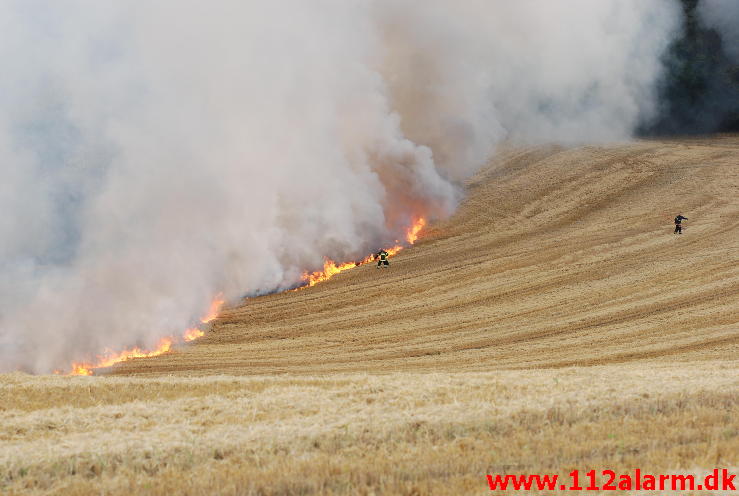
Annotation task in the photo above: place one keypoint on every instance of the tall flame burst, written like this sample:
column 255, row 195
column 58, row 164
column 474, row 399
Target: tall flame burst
column 214, row 310
column 330, row 269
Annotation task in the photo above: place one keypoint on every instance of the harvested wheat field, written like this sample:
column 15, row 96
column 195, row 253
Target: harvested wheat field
column 554, row 323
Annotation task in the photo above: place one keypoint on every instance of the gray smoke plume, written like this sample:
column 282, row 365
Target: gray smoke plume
column 154, row 154
column 698, row 92
column 723, row 15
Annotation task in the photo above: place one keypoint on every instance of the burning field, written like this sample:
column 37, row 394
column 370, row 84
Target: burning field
column 553, row 323
column 308, row 280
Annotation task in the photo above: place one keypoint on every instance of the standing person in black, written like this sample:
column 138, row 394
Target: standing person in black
column 381, row 257
column 678, row 224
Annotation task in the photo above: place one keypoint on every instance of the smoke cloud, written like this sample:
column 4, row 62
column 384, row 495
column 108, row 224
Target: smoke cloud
column 154, row 154
column 698, row 91
column 723, row 15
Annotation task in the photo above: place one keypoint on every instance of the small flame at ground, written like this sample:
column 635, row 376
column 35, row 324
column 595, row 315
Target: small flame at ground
column 165, row 344
column 330, row 269
column 110, row 359
column 193, row 334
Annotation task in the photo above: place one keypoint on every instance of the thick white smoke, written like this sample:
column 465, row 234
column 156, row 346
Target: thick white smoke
column 156, row 153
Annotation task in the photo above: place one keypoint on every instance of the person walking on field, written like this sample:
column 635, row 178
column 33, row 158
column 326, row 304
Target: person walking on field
column 381, row 257
column 678, row 224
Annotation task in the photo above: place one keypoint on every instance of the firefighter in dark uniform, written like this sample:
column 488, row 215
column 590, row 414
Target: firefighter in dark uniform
column 678, row 224
column 381, row 257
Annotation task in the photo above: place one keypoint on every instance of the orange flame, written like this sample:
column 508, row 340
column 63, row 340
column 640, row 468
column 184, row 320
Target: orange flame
column 110, row 359
column 330, row 268
column 415, row 229
column 165, row 345
column 192, row 334
column 214, row 310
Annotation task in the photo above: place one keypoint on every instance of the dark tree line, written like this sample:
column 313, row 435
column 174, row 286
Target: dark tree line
column 699, row 90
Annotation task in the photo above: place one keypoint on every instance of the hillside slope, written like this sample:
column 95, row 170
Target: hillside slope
column 557, row 257
column 554, row 323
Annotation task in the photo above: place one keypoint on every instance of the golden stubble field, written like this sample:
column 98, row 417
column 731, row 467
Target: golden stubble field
column 554, row 323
